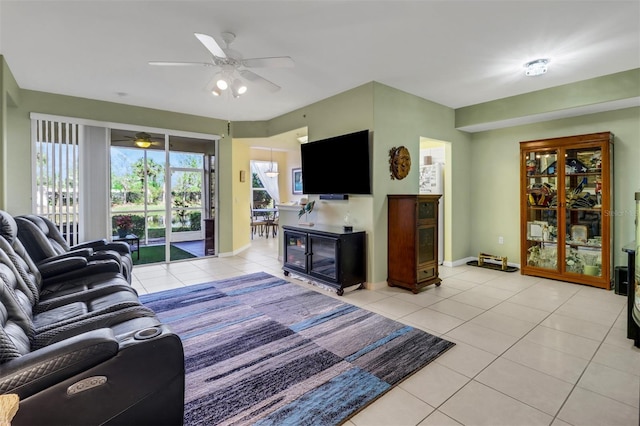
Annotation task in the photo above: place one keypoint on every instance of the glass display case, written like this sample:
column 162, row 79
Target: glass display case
column 565, row 208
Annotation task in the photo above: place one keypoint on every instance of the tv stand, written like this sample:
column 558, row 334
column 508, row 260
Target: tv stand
column 326, row 254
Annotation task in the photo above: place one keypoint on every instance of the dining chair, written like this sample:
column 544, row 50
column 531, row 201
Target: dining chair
column 258, row 224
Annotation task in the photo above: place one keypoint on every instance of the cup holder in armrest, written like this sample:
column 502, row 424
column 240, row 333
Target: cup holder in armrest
column 148, row 333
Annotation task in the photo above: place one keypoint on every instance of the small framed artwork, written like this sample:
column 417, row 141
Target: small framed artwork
column 243, row 175
column 579, row 233
column 296, row 179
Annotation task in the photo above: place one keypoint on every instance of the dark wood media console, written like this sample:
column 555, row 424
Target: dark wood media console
column 326, row 254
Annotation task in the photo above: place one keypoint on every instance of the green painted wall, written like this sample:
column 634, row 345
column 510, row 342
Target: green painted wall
column 495, row 196
column 10, row 96
column 613, row 87
column 402, row 119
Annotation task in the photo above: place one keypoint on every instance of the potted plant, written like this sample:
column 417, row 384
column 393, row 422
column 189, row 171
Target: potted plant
column 124, row 224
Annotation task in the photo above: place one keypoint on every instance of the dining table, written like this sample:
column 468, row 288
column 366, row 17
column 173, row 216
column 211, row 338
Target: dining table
column 270, row 215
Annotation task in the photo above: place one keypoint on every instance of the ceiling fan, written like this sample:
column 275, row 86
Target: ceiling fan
column 232, row 66
column 141, row 140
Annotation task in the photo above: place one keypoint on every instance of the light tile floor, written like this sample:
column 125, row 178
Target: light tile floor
column 529, row 351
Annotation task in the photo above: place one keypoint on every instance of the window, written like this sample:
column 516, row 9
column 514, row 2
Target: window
column 264, row 189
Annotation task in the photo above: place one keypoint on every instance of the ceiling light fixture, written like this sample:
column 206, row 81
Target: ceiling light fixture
column 227, row 79
column 141, row 143
column 238, row 88
column 271, row 173
column 537, row 67
column 222, row 83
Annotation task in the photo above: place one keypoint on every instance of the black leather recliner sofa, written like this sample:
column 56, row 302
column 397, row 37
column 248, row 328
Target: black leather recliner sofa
column 44, row 243
column 80, row 349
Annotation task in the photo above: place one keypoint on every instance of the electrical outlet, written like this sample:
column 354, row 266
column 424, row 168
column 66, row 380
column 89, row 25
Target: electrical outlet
column 500, row 240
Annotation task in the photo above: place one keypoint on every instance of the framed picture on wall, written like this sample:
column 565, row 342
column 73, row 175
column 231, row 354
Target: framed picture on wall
column 296, row 179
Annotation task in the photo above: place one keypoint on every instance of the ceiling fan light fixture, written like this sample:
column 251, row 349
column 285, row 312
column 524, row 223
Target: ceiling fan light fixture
column 222, row 84
column 142, row 143
column 535, row 68
column 215, row 91
column 238, row 88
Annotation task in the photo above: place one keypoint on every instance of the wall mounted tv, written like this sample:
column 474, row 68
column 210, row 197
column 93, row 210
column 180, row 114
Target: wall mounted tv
column 337, row 165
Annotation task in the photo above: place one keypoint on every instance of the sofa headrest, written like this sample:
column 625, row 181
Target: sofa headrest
column 38, row 221
column 8, row 227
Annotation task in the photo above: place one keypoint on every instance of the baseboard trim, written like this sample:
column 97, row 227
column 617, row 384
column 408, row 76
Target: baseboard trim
column 235, row 252
column 459, row 262
column 376, row 286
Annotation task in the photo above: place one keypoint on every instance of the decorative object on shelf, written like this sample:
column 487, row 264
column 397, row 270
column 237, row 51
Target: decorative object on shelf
column 579, row 234
column 572, row 165
column 305, row 210
column 296, row 181
column 592, row 264
column 543, row 257
column 541, row 194
column 124, row 224
column 399, row 162
column 348, row 227
column 532, row 166
column 574, row 261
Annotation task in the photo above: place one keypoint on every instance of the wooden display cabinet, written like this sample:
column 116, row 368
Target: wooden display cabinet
column 565, row 208
column 412, row 243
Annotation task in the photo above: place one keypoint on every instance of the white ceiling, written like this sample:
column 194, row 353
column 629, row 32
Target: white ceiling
column 453, row 52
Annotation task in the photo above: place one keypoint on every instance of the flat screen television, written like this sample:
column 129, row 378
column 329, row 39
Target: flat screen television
column 337, row 165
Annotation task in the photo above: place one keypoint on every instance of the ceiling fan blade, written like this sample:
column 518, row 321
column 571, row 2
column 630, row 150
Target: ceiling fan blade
column 274, row 62
column 211, row 44
column 255, row 78
column 181, row 64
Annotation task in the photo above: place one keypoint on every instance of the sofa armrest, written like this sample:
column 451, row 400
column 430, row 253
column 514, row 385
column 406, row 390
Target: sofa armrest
column 119, row 246
column 45, row 367
column 94, row 244
column 86, row 253
column 61, row 266
column 106, row 255
column 90, row 269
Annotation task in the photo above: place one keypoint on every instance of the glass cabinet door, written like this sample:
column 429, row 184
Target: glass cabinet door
column 323, row 257
column 295, row 249
column 426, row 244
column 542, row 208
column 426, row 210
column 583, row 211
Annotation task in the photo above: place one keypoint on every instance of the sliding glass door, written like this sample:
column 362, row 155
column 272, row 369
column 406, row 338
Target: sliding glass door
column 162, row 197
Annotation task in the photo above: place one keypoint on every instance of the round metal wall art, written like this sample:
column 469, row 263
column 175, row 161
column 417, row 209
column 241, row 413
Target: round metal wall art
column 399, row 162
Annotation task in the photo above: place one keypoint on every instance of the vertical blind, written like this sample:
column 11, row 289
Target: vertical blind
column 56, row 163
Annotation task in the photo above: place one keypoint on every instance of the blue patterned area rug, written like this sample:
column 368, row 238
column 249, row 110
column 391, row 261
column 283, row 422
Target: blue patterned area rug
column 260, row 350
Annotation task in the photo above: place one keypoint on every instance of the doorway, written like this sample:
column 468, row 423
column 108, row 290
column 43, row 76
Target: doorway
column 435, row 166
